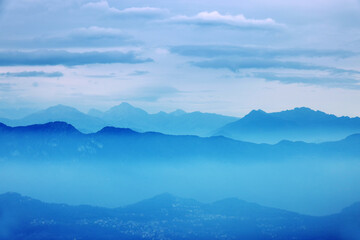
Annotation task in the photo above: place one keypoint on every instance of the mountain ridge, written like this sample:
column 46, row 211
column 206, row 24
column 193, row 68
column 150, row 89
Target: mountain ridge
column 168, row 217
column 298, row 124
column 60, row 140
column 125, row 115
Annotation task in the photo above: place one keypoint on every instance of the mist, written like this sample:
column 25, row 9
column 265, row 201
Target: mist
column 307, row 187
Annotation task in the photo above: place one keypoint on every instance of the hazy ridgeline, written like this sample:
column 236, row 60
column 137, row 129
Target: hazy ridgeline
column 114, row 167
column 299, row 124
column 55, row 162
column 179, row 120
column 307, row 187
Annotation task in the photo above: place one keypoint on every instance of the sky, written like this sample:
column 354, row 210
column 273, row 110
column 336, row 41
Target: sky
column 226, row 57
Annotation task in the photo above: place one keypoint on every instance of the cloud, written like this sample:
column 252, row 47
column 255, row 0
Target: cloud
column 212, row 51
column 93, row 36
column 328, row 81
column 110, row 75
column 216, row 19
column 325, row 76
column 52, row 57
column 138, row 73
column 32, row 74
column 142, row 12
column 100, row 5
column 235, row 64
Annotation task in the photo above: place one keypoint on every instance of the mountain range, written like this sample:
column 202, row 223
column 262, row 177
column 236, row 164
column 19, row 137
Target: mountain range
column 127, row 116
column 299, row 124
column 59, row 140
column 169, row 217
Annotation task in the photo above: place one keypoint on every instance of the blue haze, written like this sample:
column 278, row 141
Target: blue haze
column 217, row 90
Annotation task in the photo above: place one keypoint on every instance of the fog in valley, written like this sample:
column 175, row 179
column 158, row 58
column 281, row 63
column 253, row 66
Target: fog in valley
column 308, row 187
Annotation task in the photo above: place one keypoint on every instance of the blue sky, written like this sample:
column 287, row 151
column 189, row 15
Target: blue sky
column 227, row 57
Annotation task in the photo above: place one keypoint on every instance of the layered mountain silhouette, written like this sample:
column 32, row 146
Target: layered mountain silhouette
column 169, row 217
column 299, row 124
column 59, row 140
column 63, row 113
column 127, row 116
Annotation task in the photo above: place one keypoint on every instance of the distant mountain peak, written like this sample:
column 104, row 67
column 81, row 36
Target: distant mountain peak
column 298, row 124
column 178, row 112
column 258, row 112
column 61, row 107
column 123, row 105
column 57, row 126
column 300, row 110
column 116, row 131
column 58, row 111
column 255, row 114
column 303, row 109
column 165, row 196
column 303, row 114
column 124, row 109
column 165, row 200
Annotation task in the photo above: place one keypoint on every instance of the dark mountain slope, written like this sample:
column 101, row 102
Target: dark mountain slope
column 299, row 124
column 125, row 115
column 169, row 217
column 61, row 141
column 81, row 121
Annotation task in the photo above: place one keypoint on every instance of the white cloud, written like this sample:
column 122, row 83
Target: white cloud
column 143, row 10
column 95, row 31
column 216, row 18
column 100, row 5
column 99, row 35
column 103, row 5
